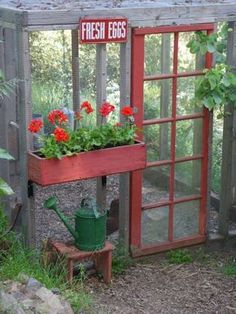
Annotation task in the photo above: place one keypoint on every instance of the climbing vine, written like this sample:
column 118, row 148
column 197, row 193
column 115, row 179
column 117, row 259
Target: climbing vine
column 216, row 88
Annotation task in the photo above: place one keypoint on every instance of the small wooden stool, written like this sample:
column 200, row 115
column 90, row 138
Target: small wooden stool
column 102, row 258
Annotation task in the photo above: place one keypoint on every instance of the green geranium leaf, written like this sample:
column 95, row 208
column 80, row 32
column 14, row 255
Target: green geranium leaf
column 226, row 81
column 5, row 155
column 5, row 189
column 211, row 47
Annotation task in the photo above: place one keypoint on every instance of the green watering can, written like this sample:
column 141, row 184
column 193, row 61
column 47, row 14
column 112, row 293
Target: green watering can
column 90, row 225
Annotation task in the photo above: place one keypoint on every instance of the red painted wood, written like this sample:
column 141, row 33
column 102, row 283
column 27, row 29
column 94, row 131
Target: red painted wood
column 87, row 164
column 172, row 29
column 205, row 149
column 138, row 79
column 176, row 201
column 146, row 250
column 171, row 75
column 137, row 101
column 102, row 258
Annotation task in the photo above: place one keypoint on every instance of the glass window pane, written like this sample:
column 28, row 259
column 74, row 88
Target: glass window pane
column 157, row 138
column 188, row 137
column 157, row 99
column 187, row 178
column 158, row 47
column 155, row 185
column 155, row 225
column 187, row 61
column 186, row 219
column 185, row 96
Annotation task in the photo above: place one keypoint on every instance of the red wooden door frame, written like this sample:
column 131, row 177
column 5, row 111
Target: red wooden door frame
column 137, row 98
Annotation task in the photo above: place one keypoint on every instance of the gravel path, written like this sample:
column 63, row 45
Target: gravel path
column 69, row 197
column 157, row 288
column 148, row 287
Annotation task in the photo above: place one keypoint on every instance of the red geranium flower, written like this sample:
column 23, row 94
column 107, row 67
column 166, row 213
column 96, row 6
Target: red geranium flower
column 35, row 125
column 106, row 108
column 57, row 116
column 127, row 111
column 87, row 106
column 61, row 135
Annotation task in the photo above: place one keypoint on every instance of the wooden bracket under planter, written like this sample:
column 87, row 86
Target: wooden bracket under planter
column 86, row 165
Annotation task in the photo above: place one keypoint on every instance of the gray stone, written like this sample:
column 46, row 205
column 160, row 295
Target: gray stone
column 28, row 304
column 51, row 300
column 31, row 298
column 9, row 305
column 33, row 283
column 56, row 291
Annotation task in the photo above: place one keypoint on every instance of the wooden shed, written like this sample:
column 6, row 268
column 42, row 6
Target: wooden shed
column 176, row 214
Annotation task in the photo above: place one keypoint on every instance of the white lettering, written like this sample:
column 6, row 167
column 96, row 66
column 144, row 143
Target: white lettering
column 88, row 26
column 123, row 29
column 83, row 30
column 116, row 30
column 110, row 30
column 102, row 30
column 93, row 30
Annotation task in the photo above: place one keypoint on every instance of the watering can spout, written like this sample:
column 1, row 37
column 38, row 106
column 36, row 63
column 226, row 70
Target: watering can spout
column 51, row 203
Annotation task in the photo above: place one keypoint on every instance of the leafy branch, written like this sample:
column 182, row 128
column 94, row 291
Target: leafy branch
column 216, row 88
column 6, row 87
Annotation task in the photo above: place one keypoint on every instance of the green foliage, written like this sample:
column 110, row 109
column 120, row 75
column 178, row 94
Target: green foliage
column 87, row 139
column 46, row 97
column 228, row 265
column 120, row 260
column 79, row 300
column 217, row 152
column 5, row 155
column 16, row 259
column 3, row 222
column 5, row 189
column 216, row 87
column 6, row 87
column 51, row 70
column 180, row 256
column 230, row 269
column 203, row 43
column 215, row 43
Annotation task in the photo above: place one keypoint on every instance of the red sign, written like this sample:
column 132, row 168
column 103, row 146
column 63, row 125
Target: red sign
column 93, row 31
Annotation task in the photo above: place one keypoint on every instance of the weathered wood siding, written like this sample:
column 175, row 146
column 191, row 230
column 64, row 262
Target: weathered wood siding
column 227, row 188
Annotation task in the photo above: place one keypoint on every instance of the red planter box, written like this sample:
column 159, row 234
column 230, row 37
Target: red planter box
column 86, row 165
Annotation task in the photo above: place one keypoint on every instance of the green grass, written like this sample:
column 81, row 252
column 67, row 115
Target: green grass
column 229, row 269
column 16, row 259
column 120, row 261
column 47, row 97
column 228, row 265
column 19, row 259
column 180, row 256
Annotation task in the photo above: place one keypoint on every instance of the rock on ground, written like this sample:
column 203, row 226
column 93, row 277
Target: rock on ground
column 30, row 297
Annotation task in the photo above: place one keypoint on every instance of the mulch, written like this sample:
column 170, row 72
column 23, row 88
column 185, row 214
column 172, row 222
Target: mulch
column 157, row 287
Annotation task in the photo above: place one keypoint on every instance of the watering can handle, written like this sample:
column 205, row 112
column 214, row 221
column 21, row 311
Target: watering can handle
column 91, row 204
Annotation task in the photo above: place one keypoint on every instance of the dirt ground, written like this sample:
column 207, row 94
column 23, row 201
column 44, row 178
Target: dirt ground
column 155, row 286
column 152, row 285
